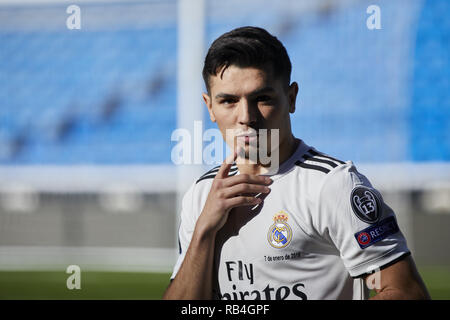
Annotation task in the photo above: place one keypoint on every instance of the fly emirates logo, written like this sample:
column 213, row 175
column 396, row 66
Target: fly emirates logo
column 239, row 272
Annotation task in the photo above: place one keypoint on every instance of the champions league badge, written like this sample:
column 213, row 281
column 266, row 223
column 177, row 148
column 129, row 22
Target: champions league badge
column 365, row 204
column 280, row 233
column 363, row 239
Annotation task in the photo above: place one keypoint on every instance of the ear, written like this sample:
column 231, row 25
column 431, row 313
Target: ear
column 208, row 103
column 292, row 94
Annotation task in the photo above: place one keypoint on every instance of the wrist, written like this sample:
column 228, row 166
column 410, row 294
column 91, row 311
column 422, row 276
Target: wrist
column 204, row 231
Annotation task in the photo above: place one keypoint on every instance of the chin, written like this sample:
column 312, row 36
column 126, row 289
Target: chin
column 250, row 153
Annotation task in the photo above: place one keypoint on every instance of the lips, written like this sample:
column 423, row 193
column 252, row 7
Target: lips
column 248, row 134
column 247, row 137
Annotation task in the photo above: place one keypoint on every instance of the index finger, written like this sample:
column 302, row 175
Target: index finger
column 226, row 165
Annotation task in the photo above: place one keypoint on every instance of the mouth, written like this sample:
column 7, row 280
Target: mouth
column 247, row 137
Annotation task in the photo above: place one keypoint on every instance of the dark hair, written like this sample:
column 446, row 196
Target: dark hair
column 247, row 47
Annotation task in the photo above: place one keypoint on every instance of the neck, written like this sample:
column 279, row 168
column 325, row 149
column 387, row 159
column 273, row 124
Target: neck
column 285, row 149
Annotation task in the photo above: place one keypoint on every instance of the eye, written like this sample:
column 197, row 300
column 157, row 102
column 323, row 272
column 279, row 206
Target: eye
column 264, row 98
column 227, row 101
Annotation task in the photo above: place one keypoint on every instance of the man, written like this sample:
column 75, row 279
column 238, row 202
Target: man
column 313, row 229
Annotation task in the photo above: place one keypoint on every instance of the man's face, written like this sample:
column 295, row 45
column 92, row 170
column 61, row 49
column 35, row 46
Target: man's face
column 244, row 100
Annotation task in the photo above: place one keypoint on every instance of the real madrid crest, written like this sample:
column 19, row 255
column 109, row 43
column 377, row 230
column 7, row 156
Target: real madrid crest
column 280, row 233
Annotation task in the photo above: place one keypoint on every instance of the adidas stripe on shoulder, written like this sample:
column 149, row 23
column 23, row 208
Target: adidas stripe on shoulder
column 318, row 161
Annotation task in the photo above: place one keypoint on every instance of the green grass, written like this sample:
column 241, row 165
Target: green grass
column 437, row 280
column 94, row 285
column 123, row 285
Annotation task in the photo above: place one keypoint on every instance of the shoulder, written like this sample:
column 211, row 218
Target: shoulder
column 343, row 180
column 329, row 179
column 317, row 169
column 314, row 160
column 345, row 189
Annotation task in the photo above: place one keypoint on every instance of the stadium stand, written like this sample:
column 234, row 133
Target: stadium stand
column 110, row 96
column 64, row 94
column 429, row 113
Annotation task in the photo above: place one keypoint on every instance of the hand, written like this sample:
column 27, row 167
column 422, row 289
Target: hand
column 229, row 192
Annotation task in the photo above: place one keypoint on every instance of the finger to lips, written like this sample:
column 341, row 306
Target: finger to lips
column 226, row 165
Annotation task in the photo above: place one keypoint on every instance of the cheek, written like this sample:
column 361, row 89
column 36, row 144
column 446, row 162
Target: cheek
column 222, row 119
column 224, row 122
column 225, row 117
column 273, row 116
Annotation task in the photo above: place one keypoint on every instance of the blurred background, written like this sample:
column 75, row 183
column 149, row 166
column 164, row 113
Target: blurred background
column 87, row 116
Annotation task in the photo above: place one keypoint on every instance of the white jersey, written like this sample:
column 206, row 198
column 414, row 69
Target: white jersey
column 320, row 228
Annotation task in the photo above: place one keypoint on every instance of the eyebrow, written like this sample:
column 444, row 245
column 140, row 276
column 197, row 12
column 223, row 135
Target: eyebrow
column 254, row 93
column 225, row 96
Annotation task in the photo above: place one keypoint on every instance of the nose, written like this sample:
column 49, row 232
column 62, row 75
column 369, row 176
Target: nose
column 247, row 114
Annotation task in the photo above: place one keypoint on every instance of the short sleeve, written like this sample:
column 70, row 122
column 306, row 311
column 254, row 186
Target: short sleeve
column 186, row 229
column 354, row 216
